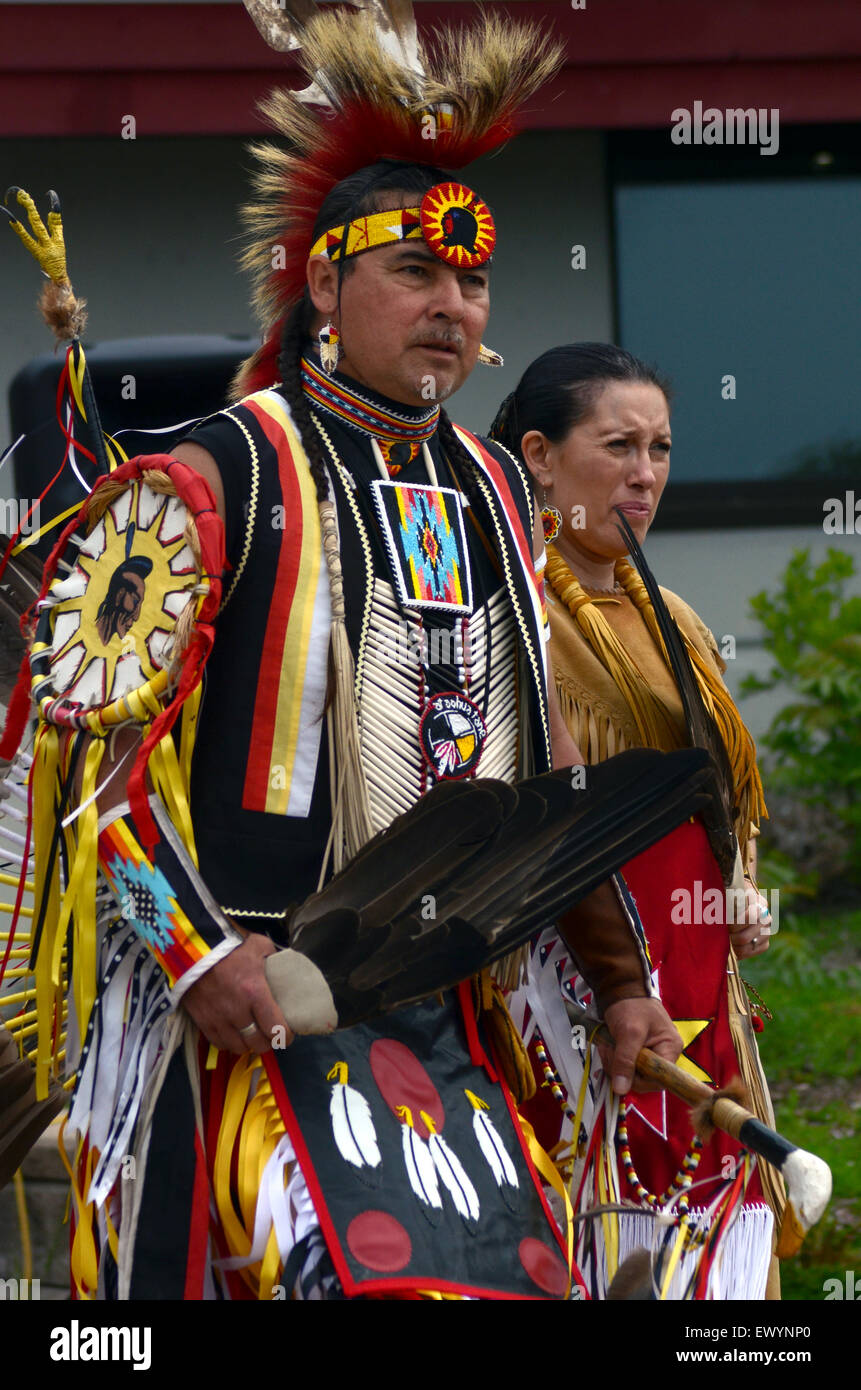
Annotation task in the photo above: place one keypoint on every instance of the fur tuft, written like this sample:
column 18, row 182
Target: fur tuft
column 65, row 315
column 701, row 1114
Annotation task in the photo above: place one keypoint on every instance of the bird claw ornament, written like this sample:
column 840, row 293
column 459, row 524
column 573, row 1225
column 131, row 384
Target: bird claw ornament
column 46, row 245
column 62, row 311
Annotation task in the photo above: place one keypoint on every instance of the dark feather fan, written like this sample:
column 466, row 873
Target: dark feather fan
column 719, row 818
column 22, row 1117
column 475, row 868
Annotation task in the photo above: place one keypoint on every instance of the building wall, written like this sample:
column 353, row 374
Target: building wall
column 152, row 233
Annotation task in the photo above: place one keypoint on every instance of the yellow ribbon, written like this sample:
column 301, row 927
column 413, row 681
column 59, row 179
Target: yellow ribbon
column 43, row 773
column 679, row 1244
column 84, row 1258
column 80, row 894
column 168, row 781
column 549, row 1172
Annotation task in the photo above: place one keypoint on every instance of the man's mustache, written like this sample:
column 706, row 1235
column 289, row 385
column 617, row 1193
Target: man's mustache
column 450, row 338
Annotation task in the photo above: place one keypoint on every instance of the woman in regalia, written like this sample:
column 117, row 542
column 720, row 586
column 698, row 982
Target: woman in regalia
column 592, row 424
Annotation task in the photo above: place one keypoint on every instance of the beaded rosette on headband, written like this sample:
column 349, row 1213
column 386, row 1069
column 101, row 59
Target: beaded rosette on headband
column 377, row 94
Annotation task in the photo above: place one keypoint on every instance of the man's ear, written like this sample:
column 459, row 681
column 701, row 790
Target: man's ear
column 322, row 277
column 535, row 448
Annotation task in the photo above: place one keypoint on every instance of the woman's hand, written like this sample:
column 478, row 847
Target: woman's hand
column 752, row 935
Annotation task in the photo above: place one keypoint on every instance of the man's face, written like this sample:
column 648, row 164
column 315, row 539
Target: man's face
column 410, row 325
column 129, row 600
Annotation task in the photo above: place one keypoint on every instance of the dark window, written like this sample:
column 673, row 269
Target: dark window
column 739, row 275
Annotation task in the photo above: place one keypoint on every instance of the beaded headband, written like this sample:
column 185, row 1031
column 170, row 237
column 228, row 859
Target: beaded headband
column 452, row 221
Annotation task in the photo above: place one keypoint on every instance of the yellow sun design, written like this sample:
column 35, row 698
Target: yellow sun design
column 457, row 226
column 113, row 617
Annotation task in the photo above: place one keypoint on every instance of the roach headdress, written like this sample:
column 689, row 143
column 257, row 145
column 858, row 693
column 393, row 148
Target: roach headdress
column 375, row 94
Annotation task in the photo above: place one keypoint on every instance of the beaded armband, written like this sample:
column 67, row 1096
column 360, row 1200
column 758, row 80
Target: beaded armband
column 164, row 898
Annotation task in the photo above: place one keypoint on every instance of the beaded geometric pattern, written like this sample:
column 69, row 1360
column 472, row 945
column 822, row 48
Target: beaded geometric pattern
column 457, row 225
column 423, row 527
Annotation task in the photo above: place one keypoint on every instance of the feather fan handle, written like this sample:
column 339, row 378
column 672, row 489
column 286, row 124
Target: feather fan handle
column 352, row 1125
column 452, row 1173
column 417, row 1159
column 490, row 1142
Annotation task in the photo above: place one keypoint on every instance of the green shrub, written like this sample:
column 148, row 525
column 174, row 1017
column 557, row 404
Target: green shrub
column 813, row 633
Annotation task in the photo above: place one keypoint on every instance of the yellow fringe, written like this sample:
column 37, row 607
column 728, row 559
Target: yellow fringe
column 600, row 737
column 46, row 759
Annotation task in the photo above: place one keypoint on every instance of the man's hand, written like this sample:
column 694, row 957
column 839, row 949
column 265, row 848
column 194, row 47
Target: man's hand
column 234, row 994
column 634, row 1024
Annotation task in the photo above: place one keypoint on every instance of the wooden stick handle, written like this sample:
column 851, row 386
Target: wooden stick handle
column 667, row 1075
column 807, row 1177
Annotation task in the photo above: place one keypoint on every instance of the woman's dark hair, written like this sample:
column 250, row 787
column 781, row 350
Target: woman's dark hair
column 353, row 197
column 560, row 388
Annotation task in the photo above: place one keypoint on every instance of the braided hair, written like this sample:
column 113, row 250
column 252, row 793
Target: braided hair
column 293, row 343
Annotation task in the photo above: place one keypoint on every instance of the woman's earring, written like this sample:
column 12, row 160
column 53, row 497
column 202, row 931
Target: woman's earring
column 329, row 340
column 551, row 520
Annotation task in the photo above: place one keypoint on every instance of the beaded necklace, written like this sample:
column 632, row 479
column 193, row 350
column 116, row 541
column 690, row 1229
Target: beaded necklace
column 399, row 435
column 685, row 1174
column 452, row 729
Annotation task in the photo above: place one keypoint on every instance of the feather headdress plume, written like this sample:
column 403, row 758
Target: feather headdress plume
column 375, row 93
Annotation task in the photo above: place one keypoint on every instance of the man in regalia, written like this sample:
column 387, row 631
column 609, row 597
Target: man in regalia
column 358, row 523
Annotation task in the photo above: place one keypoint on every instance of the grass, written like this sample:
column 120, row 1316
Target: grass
column 811, row 1051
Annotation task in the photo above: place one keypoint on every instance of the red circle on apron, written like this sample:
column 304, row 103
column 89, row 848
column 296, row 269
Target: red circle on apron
column 379, row 1241
column 543, row 1266
column 403, row 1081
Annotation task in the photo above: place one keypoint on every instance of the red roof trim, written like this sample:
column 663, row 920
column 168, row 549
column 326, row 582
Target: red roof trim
column 180, row 69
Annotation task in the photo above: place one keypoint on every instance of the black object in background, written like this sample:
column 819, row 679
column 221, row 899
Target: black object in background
column 139, row 384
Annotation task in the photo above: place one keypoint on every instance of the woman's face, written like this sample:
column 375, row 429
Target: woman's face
column 619, row 456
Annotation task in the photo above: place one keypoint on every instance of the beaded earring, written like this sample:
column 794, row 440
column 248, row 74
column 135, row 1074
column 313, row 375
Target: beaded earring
column 551, row 520
column 329, row 340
